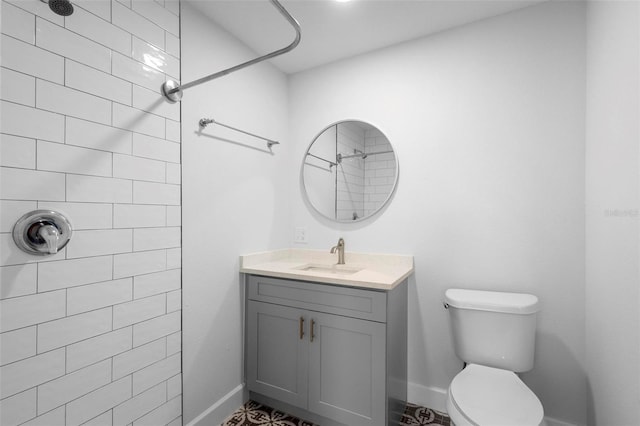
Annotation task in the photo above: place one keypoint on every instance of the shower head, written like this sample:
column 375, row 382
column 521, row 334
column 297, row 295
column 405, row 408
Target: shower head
column 60, row 7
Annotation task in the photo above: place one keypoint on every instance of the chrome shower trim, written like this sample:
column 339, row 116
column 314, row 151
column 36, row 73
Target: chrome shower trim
column 42, row 232
column 173, row 91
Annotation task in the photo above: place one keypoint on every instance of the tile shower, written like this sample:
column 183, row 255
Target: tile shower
column 363, row 183
column 93, row 333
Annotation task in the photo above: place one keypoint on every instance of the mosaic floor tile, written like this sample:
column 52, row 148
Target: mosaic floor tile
column 417, row 415
column 253, row 413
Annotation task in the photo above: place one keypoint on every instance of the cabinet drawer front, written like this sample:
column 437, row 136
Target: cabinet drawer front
column 351, row 302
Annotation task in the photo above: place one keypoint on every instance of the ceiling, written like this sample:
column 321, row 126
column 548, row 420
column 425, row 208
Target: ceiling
column 334, row 30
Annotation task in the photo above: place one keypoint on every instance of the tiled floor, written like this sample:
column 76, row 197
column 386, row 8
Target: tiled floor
column 417, row 415
column 253, row 413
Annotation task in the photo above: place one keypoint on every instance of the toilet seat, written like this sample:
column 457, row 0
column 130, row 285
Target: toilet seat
column 491, row 396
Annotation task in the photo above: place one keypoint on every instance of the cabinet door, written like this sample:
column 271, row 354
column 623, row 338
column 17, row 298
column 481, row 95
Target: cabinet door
column 276, row 355
column 347, row 360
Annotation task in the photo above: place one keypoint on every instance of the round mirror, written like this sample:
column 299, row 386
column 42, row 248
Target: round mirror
column 349, row 171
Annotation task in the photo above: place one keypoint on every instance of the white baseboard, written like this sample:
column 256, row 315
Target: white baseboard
column 222, row 409
column 550, row 421
column 427, row 396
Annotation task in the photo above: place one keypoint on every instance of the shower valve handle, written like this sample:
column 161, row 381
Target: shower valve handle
column 42, row 232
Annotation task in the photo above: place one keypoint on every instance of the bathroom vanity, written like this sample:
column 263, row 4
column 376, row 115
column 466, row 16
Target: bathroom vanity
column 327, row 342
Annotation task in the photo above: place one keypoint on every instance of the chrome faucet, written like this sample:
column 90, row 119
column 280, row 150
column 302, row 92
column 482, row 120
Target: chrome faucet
column 340, row 248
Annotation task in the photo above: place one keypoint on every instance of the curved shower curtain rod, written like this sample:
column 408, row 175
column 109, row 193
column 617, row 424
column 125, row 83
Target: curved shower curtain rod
column 172, row 90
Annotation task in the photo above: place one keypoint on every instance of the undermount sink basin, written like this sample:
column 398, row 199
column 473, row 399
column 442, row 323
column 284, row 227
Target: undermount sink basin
column 329, row 269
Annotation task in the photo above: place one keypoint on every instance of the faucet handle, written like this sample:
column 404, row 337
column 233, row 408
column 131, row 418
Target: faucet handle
column 340, row 249
column 50, row 235
column 339, row 246
column 42, row 232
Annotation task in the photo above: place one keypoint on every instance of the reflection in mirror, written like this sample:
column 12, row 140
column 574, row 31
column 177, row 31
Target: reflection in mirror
column 349, row 171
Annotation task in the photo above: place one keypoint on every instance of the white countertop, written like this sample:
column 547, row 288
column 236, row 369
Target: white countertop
column 374, row 271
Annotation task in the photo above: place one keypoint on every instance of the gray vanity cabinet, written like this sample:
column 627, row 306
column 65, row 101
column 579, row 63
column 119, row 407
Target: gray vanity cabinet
column 347, row 370
column 325, row 350
column 277, row 358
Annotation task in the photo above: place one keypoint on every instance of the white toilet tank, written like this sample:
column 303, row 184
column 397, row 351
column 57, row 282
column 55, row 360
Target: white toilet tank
column 492, row 328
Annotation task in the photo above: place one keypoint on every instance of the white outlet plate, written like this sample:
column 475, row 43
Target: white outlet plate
column 300, row 235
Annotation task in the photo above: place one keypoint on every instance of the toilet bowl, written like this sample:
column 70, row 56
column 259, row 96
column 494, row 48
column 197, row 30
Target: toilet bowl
column 494, row 334
column 480, row 396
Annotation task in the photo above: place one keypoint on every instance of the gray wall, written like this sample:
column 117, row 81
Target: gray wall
column 612, row 177
column 235, row 201
column 488, row 124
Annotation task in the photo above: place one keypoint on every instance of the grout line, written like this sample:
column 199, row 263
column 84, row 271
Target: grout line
column 113, row 102
column 111, row 23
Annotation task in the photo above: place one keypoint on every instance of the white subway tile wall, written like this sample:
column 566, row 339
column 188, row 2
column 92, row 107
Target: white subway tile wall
column 380, row 171
column 91, row 335
column 350, row 180
column 363, row 184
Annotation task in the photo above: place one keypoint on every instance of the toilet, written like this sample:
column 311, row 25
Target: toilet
column 494, row 334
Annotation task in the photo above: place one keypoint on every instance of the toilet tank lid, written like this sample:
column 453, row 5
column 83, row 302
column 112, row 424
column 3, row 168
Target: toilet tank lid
column 495, row 301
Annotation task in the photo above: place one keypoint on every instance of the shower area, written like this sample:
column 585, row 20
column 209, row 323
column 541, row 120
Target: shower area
column 91, row 328
column 97, row 325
